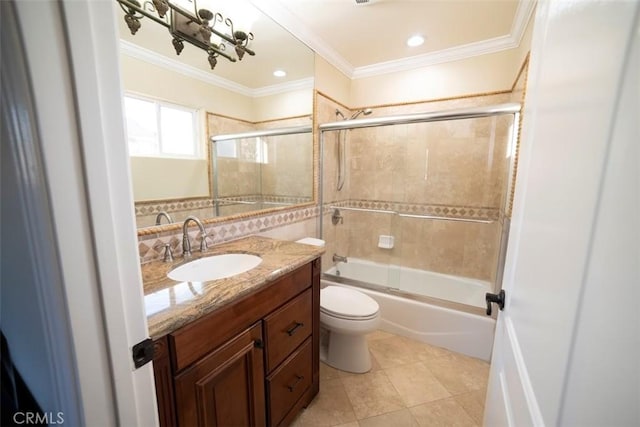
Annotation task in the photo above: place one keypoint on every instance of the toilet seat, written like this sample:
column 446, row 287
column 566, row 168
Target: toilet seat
column 347, row 304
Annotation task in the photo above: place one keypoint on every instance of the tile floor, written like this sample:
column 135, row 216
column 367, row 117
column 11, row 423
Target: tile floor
column 410, row 384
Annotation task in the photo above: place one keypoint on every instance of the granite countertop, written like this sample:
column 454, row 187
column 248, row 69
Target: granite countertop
column 170, row 304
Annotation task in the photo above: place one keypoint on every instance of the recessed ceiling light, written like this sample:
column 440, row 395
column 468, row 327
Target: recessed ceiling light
column 414, row 41
column 279, row 73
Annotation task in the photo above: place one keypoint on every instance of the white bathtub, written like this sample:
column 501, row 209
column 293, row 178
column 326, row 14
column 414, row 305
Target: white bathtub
column 462, row 290
column 459, row 331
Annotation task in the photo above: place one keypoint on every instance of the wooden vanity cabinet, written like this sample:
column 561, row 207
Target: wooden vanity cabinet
column 226, row 386
column 254, row 362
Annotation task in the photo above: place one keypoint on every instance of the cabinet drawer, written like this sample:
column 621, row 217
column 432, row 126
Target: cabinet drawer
column 289, row 382
column 287, row 328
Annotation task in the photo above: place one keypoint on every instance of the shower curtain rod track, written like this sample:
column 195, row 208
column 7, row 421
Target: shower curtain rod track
column 462, row 113
column 404, row 215
column 267, row 132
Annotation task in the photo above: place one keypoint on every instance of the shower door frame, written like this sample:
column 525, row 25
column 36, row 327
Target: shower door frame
column 511, row 108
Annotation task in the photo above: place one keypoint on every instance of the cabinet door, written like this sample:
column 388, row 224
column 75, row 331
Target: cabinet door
column 226, row 387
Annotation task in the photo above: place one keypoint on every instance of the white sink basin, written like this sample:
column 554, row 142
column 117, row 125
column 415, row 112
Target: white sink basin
column 214, row 267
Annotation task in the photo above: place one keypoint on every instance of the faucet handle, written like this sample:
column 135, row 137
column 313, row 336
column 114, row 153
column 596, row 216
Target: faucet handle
column 203, row 243
column 168, row 253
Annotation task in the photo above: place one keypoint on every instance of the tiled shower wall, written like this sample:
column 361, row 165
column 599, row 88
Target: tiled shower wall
column 453, row 169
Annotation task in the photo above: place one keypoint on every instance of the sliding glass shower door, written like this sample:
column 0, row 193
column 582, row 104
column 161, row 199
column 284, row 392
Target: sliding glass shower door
column 423, row 206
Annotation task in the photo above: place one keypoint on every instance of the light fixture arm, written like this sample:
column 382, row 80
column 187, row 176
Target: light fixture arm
column 180, row 24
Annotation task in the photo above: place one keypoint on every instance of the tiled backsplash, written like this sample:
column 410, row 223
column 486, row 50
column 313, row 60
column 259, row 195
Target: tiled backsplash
column 151, row 247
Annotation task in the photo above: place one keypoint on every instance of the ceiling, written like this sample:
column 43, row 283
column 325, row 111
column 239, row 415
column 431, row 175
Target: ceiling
column 358, row 39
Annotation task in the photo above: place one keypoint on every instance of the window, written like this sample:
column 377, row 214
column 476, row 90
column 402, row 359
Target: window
column 158, row 129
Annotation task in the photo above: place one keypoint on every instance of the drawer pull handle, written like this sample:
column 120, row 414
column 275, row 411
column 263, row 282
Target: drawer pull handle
column 293, row 386
column 294, row 328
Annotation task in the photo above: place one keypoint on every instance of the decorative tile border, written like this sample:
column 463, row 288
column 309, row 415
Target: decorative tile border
column 151, row 208
column 446, row 211
column 169, row 206
column 151, row 247
column 264, row 198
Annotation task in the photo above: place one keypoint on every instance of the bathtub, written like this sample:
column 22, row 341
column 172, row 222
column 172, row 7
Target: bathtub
column 445, row 311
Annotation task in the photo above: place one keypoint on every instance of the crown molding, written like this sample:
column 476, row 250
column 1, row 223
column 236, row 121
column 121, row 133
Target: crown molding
column 521, row 20
column 284, row 87
column 279, row 13
column 287, row 19
column 154, row 58
column 470, row 50
column 291, row 23
column 446, row 55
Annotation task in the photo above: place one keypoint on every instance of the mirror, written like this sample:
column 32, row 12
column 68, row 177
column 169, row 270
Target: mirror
column 268, row 172
column 262, row 169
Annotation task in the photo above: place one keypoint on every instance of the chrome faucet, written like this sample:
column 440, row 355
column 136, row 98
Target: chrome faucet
column 163, row 214
column 339, row 258
column 186, row 244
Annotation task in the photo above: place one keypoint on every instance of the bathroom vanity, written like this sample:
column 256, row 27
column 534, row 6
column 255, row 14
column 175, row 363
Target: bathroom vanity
column 242, row 350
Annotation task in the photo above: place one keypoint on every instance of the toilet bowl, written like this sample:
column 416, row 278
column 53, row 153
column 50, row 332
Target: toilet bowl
column 347, row 316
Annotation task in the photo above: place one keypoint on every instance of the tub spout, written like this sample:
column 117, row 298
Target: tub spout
column 339, row 258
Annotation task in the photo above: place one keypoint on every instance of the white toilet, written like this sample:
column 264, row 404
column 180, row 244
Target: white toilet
column 346, row 316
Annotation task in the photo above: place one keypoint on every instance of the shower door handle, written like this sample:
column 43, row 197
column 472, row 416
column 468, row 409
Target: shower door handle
column 494, row 298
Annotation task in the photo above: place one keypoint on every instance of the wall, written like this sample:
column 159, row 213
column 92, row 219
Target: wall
column 331, row 81
column 289, row 104
column 155, row 178
column 479, row 74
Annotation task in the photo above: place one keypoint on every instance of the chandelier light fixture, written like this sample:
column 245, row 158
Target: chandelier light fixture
column 196, row 27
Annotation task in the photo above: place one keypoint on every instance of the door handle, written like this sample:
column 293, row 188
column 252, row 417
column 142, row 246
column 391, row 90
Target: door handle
column 494, row 298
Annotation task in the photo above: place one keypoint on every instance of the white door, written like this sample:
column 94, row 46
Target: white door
column 568, row 341
column 72, row 55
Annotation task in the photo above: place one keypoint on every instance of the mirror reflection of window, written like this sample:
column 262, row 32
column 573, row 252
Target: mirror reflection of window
column 158, row 129
column 262, row 151
column 227, row 149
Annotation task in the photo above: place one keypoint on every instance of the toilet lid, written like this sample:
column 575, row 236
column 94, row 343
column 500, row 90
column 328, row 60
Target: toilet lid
column 347, row 303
